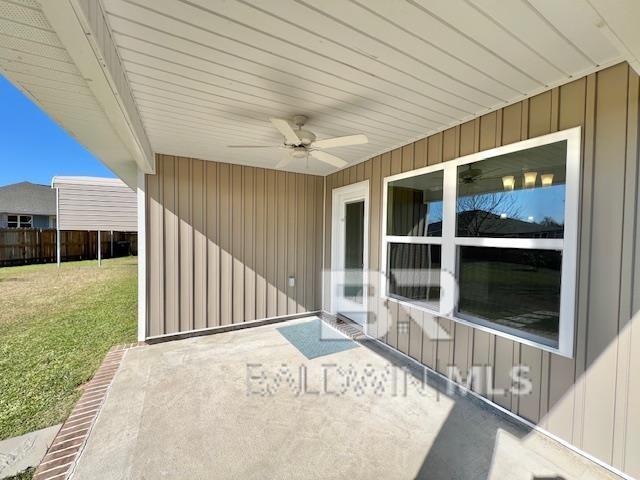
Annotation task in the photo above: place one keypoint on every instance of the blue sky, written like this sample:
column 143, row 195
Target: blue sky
column 34, row 148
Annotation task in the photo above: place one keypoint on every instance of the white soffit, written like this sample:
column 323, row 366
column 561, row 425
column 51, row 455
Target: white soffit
column 34, row 59
column 209, row 74
column 82, row 28
column 621, row 26
column 205, row 74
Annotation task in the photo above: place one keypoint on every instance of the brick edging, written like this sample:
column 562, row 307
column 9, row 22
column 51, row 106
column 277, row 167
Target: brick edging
column 65, row 449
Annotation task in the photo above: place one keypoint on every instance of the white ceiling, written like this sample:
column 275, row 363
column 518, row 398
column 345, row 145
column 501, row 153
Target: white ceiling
column 206, row 74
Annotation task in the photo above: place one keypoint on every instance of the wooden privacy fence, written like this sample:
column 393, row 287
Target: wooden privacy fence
column 24, row 246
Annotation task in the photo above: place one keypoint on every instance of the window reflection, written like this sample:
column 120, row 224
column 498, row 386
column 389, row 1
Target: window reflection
column 517, row 195
column 414, row 272
column 514, row 290
column 414, row 206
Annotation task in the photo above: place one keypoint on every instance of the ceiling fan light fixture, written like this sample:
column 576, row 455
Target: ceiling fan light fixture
column 508, row 182
column 530, row 179
column 546, row 179
column 299, row 152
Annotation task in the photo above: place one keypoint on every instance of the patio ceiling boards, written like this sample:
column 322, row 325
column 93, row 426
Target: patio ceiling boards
column 129, row 78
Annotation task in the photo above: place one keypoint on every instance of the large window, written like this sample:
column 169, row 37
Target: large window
column 490, row 239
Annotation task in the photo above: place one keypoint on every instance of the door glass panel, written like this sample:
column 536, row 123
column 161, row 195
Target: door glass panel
column 354, row 251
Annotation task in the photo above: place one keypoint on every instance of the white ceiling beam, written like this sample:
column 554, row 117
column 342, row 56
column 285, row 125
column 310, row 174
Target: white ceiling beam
column 83, row 30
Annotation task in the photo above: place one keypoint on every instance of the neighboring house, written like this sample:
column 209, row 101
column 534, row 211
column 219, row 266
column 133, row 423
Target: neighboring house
column 536, row 98
column 27, row 205
column 480, row 223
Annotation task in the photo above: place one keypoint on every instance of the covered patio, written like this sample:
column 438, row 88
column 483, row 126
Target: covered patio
column 249, row 404
column 460, row 178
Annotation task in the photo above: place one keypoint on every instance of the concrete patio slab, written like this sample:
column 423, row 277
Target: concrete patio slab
column 247, row 404
column 19, row 453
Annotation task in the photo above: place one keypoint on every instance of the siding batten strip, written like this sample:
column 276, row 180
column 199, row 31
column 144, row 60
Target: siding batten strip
column 628, row 422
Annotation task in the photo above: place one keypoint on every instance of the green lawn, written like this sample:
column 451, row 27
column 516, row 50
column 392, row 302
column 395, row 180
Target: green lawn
column 55, row 328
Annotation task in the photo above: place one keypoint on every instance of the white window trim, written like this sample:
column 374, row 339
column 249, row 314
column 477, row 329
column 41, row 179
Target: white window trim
column 568, row 245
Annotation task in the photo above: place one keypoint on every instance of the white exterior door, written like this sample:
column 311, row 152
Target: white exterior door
column 350, row 251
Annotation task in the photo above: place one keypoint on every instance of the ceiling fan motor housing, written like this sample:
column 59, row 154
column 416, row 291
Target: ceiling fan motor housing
column 306, row 137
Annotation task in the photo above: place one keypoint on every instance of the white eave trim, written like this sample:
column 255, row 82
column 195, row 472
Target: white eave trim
column 83, row 30
column 58, row 181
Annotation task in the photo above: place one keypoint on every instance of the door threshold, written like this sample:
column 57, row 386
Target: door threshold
column 344, row 325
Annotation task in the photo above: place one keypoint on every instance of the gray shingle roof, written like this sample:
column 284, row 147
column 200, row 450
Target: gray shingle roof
column 28, row 198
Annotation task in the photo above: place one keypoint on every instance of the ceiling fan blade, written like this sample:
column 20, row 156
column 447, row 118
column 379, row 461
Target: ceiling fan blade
column 285, row 129
column 286, row 159
column 252, row 146
column 341, row 141
column 328, row 158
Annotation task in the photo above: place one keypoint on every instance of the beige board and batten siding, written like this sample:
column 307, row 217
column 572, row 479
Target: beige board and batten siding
column 91, row 203
column 223, row 240
column 591, row 400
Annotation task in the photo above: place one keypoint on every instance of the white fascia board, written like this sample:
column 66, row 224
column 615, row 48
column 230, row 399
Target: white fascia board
column 58, row 181
column 83, row 30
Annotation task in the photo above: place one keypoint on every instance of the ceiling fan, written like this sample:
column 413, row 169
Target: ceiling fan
column 301, row 143
column 470, row 175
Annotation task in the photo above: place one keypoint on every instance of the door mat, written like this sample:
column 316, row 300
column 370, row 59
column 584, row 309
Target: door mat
column 315, row 339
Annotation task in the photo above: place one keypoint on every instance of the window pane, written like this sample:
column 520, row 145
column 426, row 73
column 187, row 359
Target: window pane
column 514, row 290
column 354, row 251
column 414, row 272
column 414, row 206
column 12, row 218
column 520, row 194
